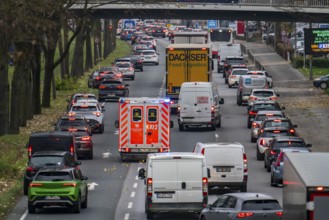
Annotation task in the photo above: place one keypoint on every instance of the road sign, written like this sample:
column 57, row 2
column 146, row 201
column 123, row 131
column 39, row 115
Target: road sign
column 316, row 40
column 212, row 24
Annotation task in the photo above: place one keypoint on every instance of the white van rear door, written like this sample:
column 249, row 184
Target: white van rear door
column 225, row 164
column 190, row 173
column 164, row 174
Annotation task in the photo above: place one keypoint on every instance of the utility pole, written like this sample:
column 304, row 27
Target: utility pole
column 311, row 61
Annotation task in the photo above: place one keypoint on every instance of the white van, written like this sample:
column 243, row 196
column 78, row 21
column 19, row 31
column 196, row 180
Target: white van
column 227, row 50
column 246, row 84
column 227, row 163
column 175, row 182
column 198, row 105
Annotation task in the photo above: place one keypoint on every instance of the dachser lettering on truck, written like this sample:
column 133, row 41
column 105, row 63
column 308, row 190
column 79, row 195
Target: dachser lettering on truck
column 187, row 57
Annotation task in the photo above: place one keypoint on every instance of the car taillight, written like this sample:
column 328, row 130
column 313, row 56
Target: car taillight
column 35, row 184
column 70, row 184
column 71, row 113
column 102, row 87
column 212, row 108
column 292, row 131
column 30, row 169
column 252, row 113
column 232, row 76
column 262, row 142
column 120, row 87
column 149, row 186
column 72, row 129
column 274, row 98
column 140, row 61
column 205, row 186
column 276, row 131
column 97, row 78
column 29, row 151
column 272, row 152
column 255, row 125
column 279, row 213
column 253, row 98
column 86, row 138
column 244, row 214
column 245, row 163
column 218, row 58
column 154, row 55
column 131, row 69
column 202, row 151
column 72, row 149
column 97, row 114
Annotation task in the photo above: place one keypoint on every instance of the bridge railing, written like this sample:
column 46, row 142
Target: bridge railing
column 274, row 3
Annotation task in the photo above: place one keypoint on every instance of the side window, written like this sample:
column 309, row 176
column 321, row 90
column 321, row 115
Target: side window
column 152, row 114
column 230, row 202
column 69, row 159
column 220, row 202
column 137, row 114
column 77, row 175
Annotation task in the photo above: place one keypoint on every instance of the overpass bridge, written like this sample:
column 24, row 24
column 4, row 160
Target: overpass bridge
column 256, row 10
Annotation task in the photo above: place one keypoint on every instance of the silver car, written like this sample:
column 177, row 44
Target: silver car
column 262, row 95
column 258, row 120
column 127, row 69
column 243, row 205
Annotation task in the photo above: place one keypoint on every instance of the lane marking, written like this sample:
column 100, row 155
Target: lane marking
column 126, row 216
column 24, row 215
column 132, row 194
column 138, row 168
column 136, row 178
column 130, row 205
column 106, row 155
column 135, row 185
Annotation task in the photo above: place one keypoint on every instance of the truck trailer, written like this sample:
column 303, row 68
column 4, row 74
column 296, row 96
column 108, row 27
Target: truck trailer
column 186, row 63
column 305, row 186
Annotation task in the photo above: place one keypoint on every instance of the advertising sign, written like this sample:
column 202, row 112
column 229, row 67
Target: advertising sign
column 316, row 40
column 212, row 24
column 240, row 28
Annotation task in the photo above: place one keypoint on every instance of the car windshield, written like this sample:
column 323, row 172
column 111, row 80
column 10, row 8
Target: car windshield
column 263, row 117
column 44, row 160
column 239, row 72
column 263, row 93
column 148, row 53
column 286, row 144
column 57, row 143
column 53, row 176
column 264, row 106
column 277, row 123
column 71, row 122
column 84, row 108
column 275, row 133
column 261, row 205
column 85, row 97
column 235, row 61
column 123, row 65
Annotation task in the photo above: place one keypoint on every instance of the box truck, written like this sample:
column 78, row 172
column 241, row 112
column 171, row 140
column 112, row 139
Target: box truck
column 305, row 186
column 186, row 63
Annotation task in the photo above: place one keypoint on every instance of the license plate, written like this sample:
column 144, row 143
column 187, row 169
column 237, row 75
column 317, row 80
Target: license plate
column 110, row 95
column 223, row 169
column 164, row 195
column 52, row 197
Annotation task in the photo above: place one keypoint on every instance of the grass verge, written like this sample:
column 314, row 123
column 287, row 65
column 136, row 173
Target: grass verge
column 317, row 72
column 13, row 157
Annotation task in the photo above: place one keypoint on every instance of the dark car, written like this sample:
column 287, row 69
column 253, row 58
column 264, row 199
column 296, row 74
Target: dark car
column 85, row 146
column 278, row 143
column 233, row 60
column 262, row 106
column 274, row 122
column 126, row 34
column 277, row 165
column 243, row 206
column 112, row 89
column 104, row 75
column 322, row 82
column 159, row 32
column 76, row 96
column 92, row 78
column 47, row 159
column 137, row 61
column 75, row 122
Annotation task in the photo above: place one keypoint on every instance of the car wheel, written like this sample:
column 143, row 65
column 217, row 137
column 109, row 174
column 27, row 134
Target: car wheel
column 243, row 188
column 157, row 63
column 249, row 124
column 91, row 155
column 100, row 100
column 229, row 86
column 219, row 124
column 218, row 70
column 259, row 156
column 141, row 69
column 149, row 215
column 213, row 127
column 203, row 218
column 239, row 102
column 180, row 127
column 31, row 209
column 25, row 186
column 272, row 180
column 268, row 168
column 84, row 204
column 265, row 164
column 77, row 205
column 323, row 85
column 132, row 78
column 226, row 81
column 101, row 131
column 253, row 140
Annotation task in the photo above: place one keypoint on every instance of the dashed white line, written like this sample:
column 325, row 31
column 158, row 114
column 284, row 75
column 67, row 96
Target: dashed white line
column 135, row 185
column 126, row 216
column 24, row 215
column 138, row 169
column 130, row 205
column 132, row 194
column 136, row 177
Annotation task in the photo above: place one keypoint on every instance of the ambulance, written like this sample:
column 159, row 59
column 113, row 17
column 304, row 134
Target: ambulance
column 144, row 127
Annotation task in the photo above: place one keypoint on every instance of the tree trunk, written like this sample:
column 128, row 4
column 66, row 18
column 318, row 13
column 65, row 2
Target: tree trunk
column 60, row 47
column 36, row 72
column 89, row 55
column 77, row 61
column 106, row 39
column 4, row 88
column 49, row 60
column 67, row 57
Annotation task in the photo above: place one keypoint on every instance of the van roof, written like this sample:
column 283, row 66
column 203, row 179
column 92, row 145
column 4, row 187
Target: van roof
column 221, row 144
column 51, row 134
column 252, row 76
column 184, row 46
column 171, row 155
column 192, row 84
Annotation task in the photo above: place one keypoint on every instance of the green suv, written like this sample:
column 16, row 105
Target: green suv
column 58, row 187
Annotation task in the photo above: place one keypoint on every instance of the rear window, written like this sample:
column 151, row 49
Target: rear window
column 85, row 97
column 261, row 205
column 263, row 117
column 239, row 72
column 53, row 176
column 58, row 143
column 148, row 53
column 263, row 93
column 71, row 122
column 235, row 61
column 286, row 144
column 84, row 108
column 275, row 133
column 126, row 65
column 46, row 160
column 111, row 83
column 254, row 81
column 264, row 107
column 277, row 123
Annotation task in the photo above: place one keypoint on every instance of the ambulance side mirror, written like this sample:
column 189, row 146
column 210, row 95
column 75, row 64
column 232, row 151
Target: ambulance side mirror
column 116, row 124
column 171, row 124
column 141, row 173
column 208, row 173
column 221, row 101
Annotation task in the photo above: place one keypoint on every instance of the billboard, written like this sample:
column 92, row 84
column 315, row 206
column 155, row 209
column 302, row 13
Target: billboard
column 129, row 24
column 316, row 40
column 212, row 24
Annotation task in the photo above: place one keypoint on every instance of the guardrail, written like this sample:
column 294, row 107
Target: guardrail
column 274, row 3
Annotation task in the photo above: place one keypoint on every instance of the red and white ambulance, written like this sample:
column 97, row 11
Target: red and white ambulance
column 144, row 126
